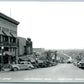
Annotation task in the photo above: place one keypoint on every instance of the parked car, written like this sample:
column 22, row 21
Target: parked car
column 6, row 67
column 69, row 62
column 23, row 62
column 41, row 64
column 75, row 63
column 22, row 66
column 53, row 63
column 46, row 63
column 81, row 64
column 34, row 64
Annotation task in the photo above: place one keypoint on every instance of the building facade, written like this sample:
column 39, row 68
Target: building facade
column 8, row 36
column 25, row 46
column 11, row 46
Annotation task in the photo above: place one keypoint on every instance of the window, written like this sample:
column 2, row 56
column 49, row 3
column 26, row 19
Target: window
column 5, row 38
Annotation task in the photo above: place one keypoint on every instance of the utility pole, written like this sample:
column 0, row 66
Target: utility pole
column 2, row 48
column 55, row 55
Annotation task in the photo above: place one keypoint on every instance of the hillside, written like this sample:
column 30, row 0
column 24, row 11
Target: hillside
column 71, row 52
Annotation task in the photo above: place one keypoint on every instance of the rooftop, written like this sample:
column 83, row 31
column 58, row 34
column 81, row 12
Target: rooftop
column 8, row 18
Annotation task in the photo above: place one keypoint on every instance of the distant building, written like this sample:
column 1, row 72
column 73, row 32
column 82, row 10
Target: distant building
column 12, row 45
column 25, row 46
column 21, row 46
column 39, row 50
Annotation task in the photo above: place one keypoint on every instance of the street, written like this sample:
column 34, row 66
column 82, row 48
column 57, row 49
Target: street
column 59, row 73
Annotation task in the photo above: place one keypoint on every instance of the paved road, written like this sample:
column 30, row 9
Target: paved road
column 60, row 72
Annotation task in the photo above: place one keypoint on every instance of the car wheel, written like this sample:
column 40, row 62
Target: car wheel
column 29, row 68
column 15, row 68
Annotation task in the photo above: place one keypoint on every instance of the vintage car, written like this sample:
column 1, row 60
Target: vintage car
column 75, row 63
column 46, row 63
column 42, row 64
column 22, row 66
column 80, row 64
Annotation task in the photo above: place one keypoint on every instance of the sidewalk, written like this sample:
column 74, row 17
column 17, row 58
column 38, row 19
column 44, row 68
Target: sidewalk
column 5, row 70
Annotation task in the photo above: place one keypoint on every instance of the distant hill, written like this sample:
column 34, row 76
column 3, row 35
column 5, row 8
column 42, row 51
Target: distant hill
column 39, row 50
column 72, row 52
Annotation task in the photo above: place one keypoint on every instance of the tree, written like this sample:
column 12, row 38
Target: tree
column 55, row 55
column 79, row 57
column 48, row 57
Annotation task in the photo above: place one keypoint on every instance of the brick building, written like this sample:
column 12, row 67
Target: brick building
column 11, row 46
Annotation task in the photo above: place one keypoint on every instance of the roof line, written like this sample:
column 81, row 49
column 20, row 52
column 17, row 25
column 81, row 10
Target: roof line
column 8, row 18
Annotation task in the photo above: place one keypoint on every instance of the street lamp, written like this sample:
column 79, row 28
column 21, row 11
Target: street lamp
column 2, row 48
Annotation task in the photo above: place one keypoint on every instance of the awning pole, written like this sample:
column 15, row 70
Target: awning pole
column 9, row 57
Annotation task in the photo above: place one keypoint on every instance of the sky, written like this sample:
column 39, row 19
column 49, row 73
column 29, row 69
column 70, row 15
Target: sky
column 50, row 25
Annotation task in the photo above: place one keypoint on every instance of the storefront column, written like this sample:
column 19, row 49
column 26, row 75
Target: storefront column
column 9, row 58
column 9, row 40
column 1, row 38
column 16, row 56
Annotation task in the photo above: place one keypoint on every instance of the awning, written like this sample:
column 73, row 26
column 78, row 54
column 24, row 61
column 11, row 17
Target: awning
column 24, row 58
column 7, row 53
column 6, row 33
column 1, row 33
column 13, row 35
